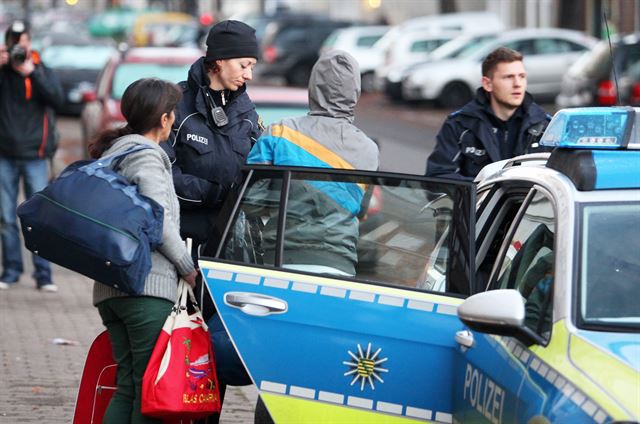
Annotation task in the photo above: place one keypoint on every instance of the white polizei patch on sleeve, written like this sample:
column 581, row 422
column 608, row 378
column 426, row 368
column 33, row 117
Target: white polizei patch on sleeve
column 304, row 287
column 220, row 275
column 248, row 279
column 277, row 283
column 447, row 309
column 302, row 392
column 424, row 414
column 270, row 386
column 363, row 296
column 421, row 306
column 443, row 417
column 391, row 301
column 331, row 397
column 391, row 408
column 333, row 291
column 359, row 402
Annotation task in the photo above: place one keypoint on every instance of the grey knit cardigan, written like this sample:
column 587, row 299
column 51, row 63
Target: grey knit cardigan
column 150, row 169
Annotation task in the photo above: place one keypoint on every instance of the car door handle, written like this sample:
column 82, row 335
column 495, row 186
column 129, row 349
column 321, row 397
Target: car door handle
column 255, row 304
column 465, row 338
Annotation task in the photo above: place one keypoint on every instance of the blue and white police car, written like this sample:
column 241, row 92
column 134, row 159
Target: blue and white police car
column 515, row 299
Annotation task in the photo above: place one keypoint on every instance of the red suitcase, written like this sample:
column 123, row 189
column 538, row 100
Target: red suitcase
column 98, row 382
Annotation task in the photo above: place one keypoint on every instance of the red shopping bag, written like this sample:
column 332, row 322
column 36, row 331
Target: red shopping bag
column 180, row 379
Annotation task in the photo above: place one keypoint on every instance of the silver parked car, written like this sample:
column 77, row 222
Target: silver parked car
column 548, row 52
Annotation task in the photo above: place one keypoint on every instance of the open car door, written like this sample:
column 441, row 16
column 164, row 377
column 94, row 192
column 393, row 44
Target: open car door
column 324, row 280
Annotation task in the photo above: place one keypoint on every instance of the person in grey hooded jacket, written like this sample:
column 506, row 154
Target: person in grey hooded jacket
column 327, row 138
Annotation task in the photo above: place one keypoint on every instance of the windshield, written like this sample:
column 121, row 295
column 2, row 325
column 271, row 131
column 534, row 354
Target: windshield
column 609, row 268
column 130, row 72
column 77, row 57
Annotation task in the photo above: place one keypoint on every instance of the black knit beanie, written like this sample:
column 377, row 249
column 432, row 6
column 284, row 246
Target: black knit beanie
column 230, row 39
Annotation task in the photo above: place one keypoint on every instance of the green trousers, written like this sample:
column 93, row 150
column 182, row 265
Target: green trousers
column 134, row 324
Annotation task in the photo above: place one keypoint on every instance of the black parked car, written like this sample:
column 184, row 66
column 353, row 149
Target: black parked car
column 591, row 80
column 290, row 45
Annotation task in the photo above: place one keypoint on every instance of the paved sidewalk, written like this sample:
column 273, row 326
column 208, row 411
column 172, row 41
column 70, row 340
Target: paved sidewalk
column 39, row 379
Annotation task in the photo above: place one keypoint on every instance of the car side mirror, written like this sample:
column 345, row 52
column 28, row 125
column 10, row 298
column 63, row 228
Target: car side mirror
column 499, row 312
column 89, row 96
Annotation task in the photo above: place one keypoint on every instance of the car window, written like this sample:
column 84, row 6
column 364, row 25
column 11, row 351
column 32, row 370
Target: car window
column 527, row 262
column 609, row 273
column 596, row 63
column 367, row 40
column 425, row 46
column 551, row 46
column 127, row 73
column 523, row 46
column 376, row 230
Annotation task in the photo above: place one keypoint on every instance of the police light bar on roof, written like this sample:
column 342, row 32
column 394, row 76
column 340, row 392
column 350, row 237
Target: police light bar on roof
column 594, row 128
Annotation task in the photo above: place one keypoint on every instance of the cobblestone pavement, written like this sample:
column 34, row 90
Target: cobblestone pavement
column 39, row 379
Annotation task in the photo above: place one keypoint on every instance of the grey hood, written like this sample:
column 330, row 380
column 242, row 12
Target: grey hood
column 334, row 86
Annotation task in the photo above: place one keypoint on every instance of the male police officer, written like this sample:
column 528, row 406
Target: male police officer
column 501, row 122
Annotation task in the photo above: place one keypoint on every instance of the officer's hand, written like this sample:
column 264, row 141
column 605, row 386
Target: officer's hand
column 4, row 55
column 26, row 68
column 191, row 278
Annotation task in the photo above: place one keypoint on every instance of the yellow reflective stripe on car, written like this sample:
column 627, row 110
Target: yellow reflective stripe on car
column 556, row 356
column 315, row 284
column 620, row 380
column 288, row 409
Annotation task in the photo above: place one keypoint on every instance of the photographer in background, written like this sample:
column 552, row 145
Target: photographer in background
column 29, row 93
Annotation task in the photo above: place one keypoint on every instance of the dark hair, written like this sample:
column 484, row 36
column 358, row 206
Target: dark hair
column 210, row 65
column 143, row 104
column 499, row 55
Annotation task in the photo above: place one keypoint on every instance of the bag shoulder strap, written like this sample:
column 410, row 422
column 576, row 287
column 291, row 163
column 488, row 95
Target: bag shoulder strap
column 114, row 159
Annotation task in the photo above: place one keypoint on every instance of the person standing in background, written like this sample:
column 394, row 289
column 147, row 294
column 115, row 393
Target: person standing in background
column 501, row 122
column 29, row 94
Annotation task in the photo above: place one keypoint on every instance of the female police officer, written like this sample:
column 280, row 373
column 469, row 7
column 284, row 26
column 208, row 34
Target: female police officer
column 216, row 124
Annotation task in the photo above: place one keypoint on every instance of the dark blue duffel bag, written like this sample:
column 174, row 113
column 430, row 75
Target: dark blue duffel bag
column 93, row 221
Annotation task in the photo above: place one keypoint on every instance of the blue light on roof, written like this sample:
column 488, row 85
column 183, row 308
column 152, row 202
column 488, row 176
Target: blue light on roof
column 590, row 128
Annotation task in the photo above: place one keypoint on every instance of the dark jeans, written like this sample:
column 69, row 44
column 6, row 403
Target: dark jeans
column 35, row 176
column 134, row 324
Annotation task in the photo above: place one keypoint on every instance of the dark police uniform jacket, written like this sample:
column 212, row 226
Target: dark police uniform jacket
column 27, row 112
column 469, row 139
column 207, row 159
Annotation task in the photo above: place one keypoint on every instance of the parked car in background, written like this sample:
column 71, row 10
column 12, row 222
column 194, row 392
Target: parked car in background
column 461, row 44
column 548, row 52
column 359, row 41
column 408, row 49
column 165, row 29
column 76, row 61
column 412, row 40
column 290, row 46
column 591, row 80
column 276, row 103
column 102, row 106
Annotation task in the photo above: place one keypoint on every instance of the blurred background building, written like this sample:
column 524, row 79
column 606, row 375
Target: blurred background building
column 585, row 15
